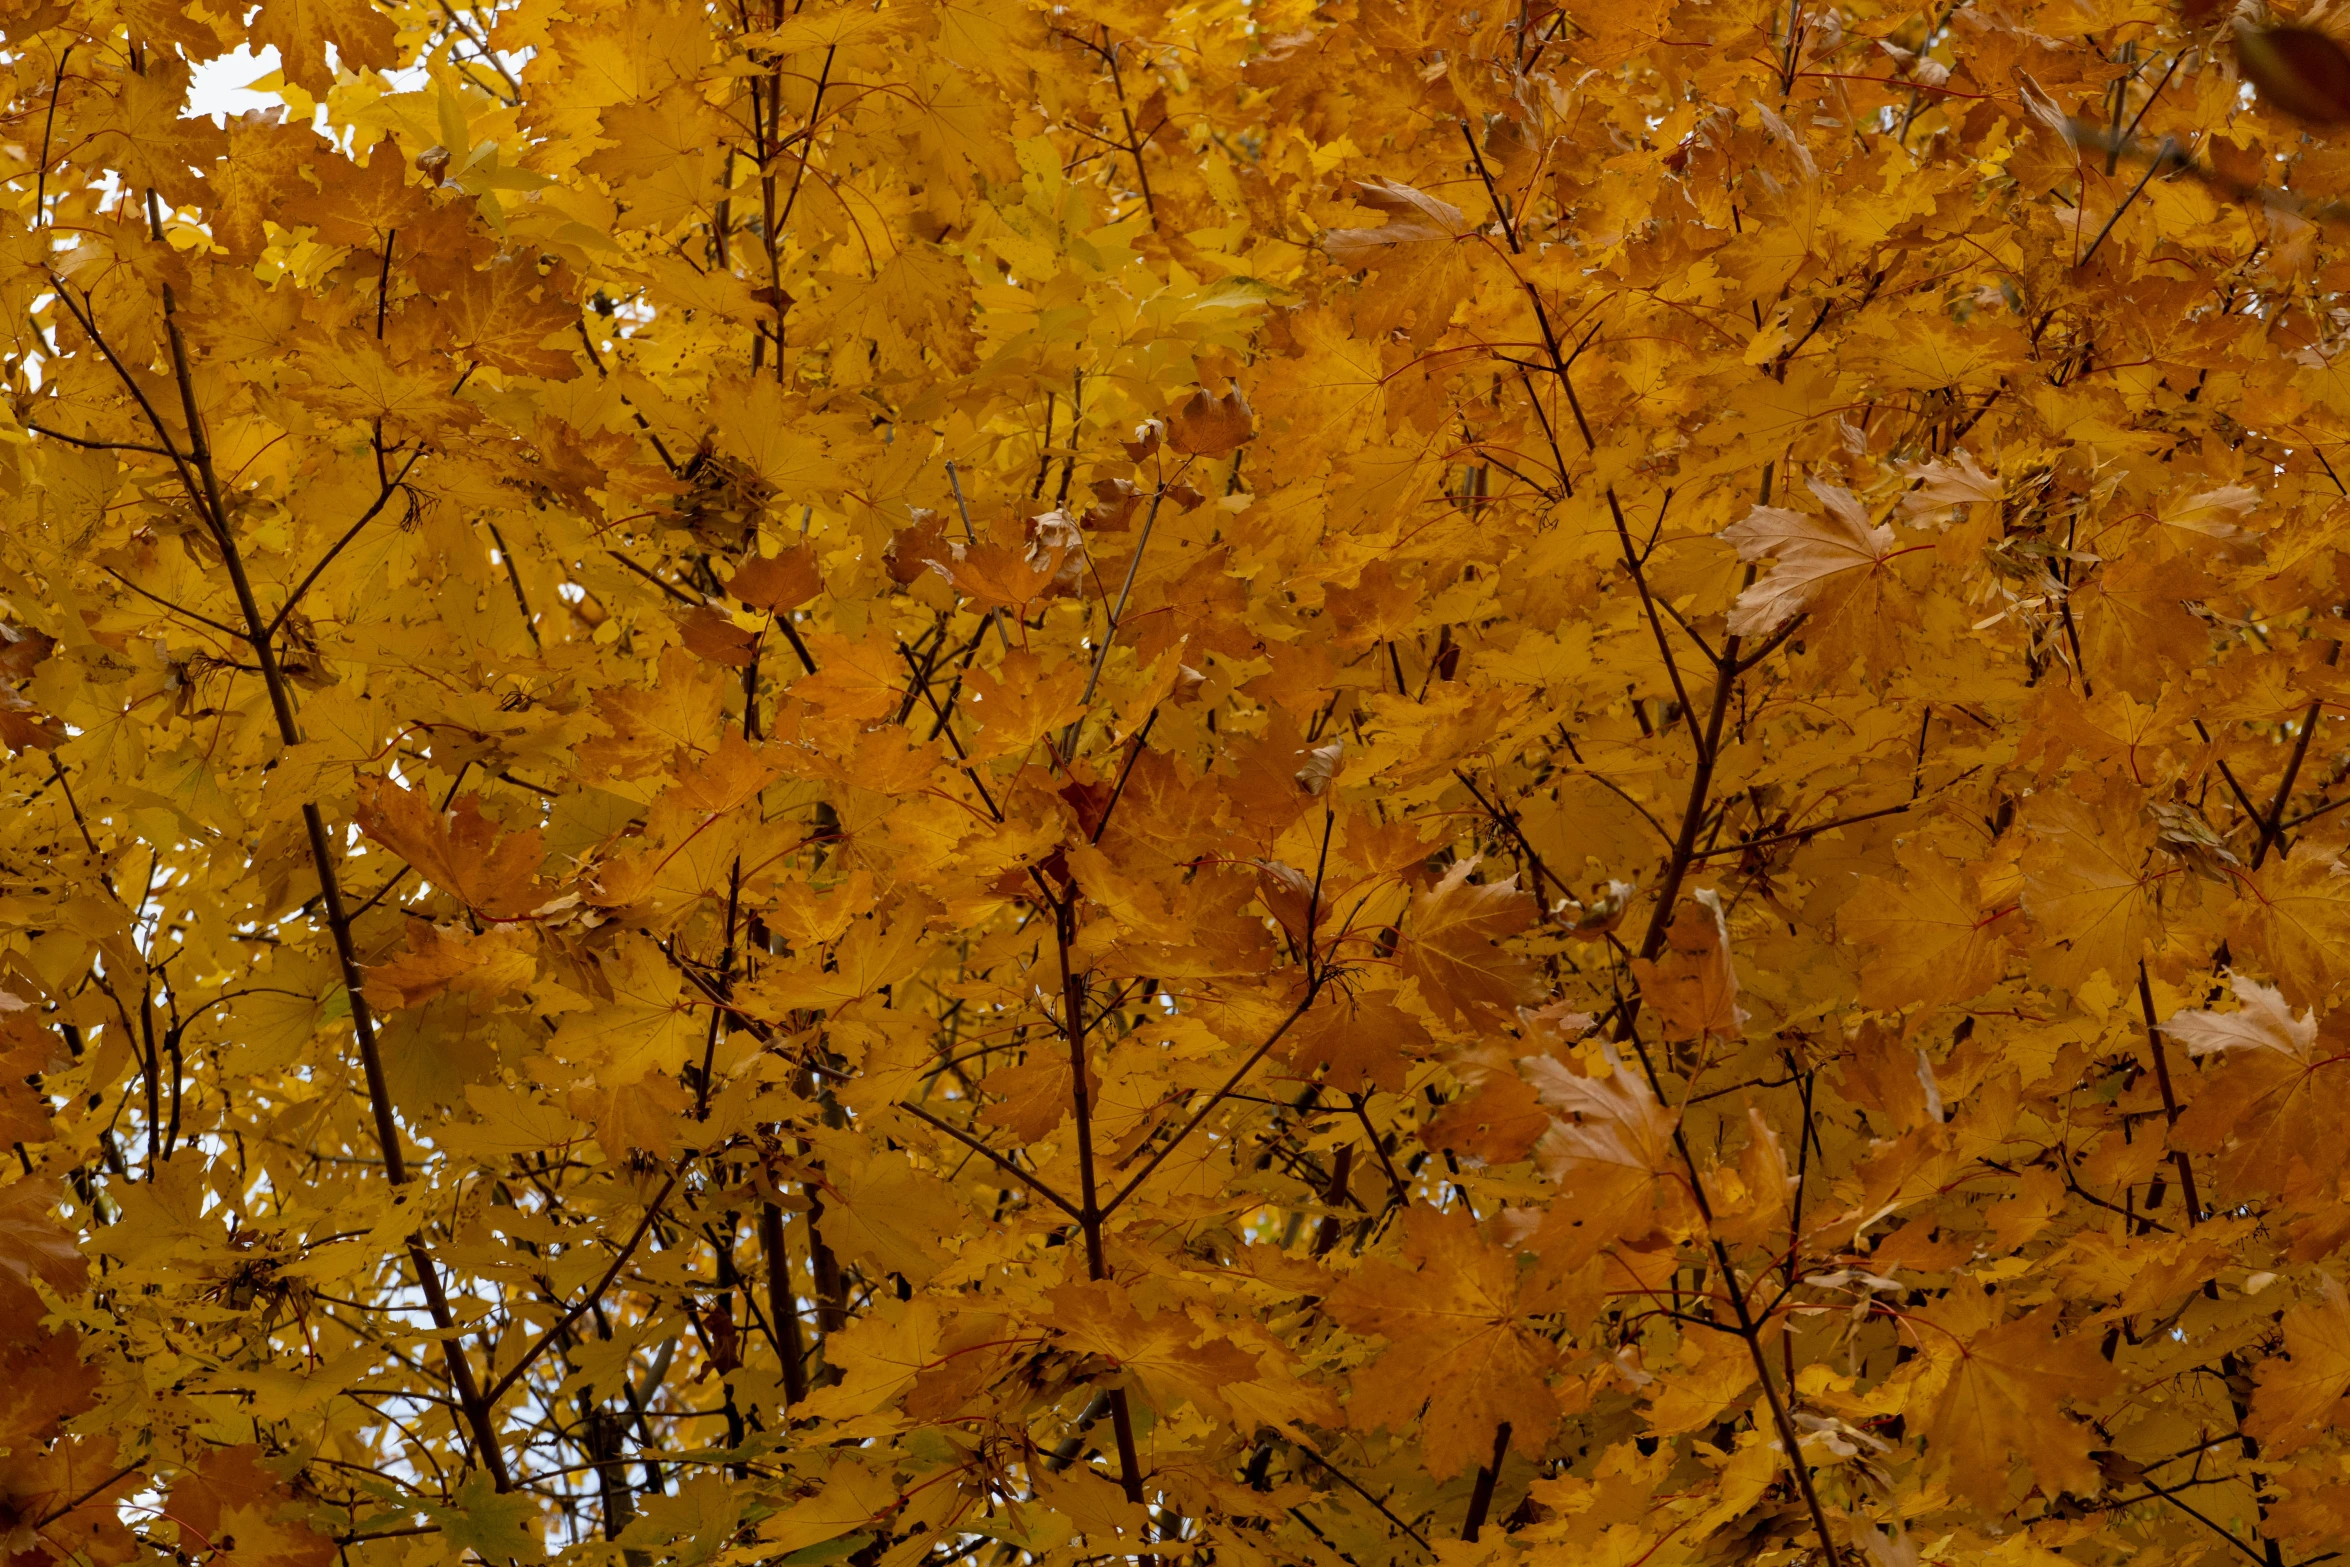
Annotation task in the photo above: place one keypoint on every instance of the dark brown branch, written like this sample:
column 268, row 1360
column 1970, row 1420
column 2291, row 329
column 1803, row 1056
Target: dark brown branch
column 1668, row 895
column 1349, row 1482
column 56, row 1513
column 522, row 603
column 1794, row 833
column 203, row 485
column 997, row 1159
column 2272, row 824
column 95, row 446
column 783, row 1306
column 2154, row 166
column 1089, row 1213
column 488, row 55
column 587, row 1302
column 2315, row 812
column 1481, row 1499
column 2170, row 1100
column 1508, row 820
column 178, row 609
column 656, row 579
column 2243, row 800
column 294, row 599
column 1313, row 989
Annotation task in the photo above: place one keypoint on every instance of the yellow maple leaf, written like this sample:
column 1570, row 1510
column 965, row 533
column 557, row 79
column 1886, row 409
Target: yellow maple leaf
column 1462, row 1356
column 1452, row 945
column 498, row 961
column 1817, row 561
column 1999, row 1405
column 646, row 1025
column 1612, row 1157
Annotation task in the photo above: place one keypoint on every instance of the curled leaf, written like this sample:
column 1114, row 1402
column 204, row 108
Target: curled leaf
column 1808, row 553
column 784, row 581
column 2261, row 1021
column 1943, row 484
column 1205, row 425
column 1412, row 216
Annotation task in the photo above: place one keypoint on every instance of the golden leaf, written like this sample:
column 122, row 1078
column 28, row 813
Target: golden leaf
column 1462, row 1355
column 1451, row 945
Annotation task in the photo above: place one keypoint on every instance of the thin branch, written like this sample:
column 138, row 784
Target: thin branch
column 294, row 599
column 96, row 446
column 2272, row 825
column 2205, row 1520
column 337, row 546
column 587, row 1302
column 656, row 579
column 1350, row 1483
column 2153, row 167
column 2313, row 814
column 1313, row 989
column 54, row 1514
column 997, row 1159
column 2170, row 1100
column 2243, row 800
column 488, row 55
column 177, row 609
column 203, row 489
column 1794, row 833
column 1117, row 616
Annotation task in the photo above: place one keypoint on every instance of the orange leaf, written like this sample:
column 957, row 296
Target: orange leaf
column 854, row 679
column 2000, row 1404
column 1000, row 576
column 301, row 31
column 33, row 1245
column 228, row 1496
column 1362, row 1039
column 1693, row 988
column 1034, row 1096
column 461, row 851
column 1450, row 946
column 1205, row 425
column 494, row 963
column 1930, row 940
column 2296, row 1400
column 718, row 639
column 1499, row 1123
column 1612, row 1157
column 777, row 582
column 1462, row 1356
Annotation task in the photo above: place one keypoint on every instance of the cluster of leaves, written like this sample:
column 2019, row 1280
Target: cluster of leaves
column 905, row 781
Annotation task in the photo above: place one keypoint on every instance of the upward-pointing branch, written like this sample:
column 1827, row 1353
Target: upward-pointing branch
column 195, row 467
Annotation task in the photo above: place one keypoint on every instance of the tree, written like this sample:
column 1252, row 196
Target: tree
column 906, row 783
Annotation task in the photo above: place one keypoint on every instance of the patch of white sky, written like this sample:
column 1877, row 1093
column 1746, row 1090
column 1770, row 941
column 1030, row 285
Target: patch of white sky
column 226, row 86
column 223, row 88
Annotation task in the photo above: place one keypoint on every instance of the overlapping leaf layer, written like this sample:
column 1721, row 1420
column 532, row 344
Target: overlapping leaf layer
column 957, row 780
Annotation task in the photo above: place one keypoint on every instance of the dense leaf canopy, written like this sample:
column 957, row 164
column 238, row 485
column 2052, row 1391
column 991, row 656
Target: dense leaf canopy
column 915, row 781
